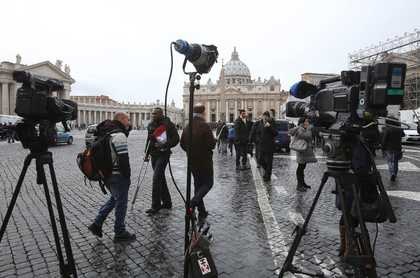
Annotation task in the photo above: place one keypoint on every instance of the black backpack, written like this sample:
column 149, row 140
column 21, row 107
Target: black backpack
column 95, row 162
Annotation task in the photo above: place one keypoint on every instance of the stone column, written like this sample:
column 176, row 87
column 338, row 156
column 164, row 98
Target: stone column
column 5, row 98
column 254, row 109
column 12, row 96
column 208, row 111
column 217, row 110
column 94, row 116
column 236, row 109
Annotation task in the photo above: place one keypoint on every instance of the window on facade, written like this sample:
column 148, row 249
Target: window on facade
column 228, row 81
column 142, row 116
column 213, row 118
column 231, row 119
column 233, row 80
column 271, row 88
column 148, row 116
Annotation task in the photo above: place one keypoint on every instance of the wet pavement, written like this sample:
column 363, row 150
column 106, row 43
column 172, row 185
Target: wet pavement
column 251, row 221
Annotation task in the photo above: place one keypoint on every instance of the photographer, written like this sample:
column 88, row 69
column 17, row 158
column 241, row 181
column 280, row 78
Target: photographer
column 162, row 136
column 201, row 159
column 119, row 181
column 242, row 129
column 303, row 132
column 391, row 144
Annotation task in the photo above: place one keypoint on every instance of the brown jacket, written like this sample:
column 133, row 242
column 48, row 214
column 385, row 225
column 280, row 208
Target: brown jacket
column 202, row 145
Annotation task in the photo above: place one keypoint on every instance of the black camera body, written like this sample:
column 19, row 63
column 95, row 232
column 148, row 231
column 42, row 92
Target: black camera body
column 39, row 110
column 346, row 106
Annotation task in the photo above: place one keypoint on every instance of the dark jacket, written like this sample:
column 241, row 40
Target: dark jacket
column 391, row 139
column 255, row 133
column 268, row 134
column 242, row 130
column 171, row 133
column 202, row 145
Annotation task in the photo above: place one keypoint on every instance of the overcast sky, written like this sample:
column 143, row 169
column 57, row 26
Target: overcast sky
column 121, row 48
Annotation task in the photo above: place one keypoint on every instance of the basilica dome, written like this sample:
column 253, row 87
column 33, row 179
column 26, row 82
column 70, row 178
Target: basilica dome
column 236, row 67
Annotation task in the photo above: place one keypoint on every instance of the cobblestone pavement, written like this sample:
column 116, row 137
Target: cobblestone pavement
column 251, row 221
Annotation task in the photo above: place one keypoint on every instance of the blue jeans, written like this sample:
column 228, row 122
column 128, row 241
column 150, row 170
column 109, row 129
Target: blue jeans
column 392, row 158
column 118, row 185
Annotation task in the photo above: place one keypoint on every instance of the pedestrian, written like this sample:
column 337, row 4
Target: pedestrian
column 222, row 138
column 391, row 145
column 162, row 136
column 10, row 133
column 255, row 138
column 118, row 182
column 203, row 143
column 267, row 133
column 303, row 132
column 231, row 138
column 218, row 128
column 242, row 129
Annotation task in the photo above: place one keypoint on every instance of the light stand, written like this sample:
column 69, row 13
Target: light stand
column 188, row 213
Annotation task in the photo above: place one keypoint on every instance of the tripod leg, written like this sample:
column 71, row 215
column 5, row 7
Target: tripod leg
column 70, row 267
column 15, row 195
column 43, row 180
column 365, row 248
column 287, row 266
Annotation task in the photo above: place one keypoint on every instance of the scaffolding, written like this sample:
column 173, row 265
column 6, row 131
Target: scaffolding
column 405, row 48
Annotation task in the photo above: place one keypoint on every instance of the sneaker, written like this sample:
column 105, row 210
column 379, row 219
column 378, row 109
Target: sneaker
column 95, row 229
column 152, row 211
column 124, row 237
column 307, row 186
column 393, row 178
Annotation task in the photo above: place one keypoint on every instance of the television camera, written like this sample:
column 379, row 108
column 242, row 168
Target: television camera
column 344, row 111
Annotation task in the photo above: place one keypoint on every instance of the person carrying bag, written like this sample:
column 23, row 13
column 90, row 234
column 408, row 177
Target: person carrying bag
column 302, row 144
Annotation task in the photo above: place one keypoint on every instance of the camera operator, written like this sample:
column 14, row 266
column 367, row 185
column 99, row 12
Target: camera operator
column 162, row 136
column 201, row 159
column 391, row 144
column 119, row 181
column 242, row 129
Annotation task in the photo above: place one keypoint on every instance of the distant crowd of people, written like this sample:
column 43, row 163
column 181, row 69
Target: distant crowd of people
column 7, row 132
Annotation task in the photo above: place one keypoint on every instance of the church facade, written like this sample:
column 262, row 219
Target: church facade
column 236, row 90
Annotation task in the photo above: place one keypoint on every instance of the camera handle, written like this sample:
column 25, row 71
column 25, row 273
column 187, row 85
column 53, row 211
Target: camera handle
column 42, row 159
column 344, row 181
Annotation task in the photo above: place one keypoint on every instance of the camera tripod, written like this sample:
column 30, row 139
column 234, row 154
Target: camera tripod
column 45, row 158
column 361, row 255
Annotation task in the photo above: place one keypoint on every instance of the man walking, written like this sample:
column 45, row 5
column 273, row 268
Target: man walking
column 203, row 143
column 242, row 129
column 119, row 181
column 267, row 145
column 162, row 136
column 391, row 145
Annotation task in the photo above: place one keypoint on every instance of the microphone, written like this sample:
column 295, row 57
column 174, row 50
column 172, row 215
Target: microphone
column 201, row 56
column 303, row 89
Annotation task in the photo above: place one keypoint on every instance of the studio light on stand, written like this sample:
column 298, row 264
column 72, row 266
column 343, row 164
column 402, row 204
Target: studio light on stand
column 202, row 57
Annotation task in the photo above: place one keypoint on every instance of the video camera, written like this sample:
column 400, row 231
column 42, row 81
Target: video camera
column 348, row 105
column 36, row 105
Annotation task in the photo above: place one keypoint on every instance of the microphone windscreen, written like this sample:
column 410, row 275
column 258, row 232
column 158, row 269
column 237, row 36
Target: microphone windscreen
column 303, row 89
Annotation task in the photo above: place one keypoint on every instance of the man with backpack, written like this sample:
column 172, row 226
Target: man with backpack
column 162, row 136
column 112, row 135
